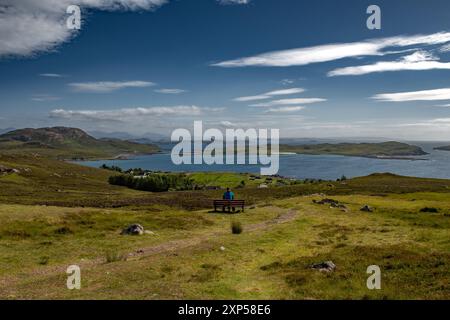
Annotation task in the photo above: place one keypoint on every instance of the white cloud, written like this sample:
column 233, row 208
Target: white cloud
column 331, row 52
column 252, row 98
column 286, row 82
column 226, row 2
column 270, row 94
column 284, row 102
column 445, row 48
column 284, row 109
column 28, row 27
column 108, row 86
column 51, row 75
column 424, row 95
column 228, row 124
column 130, row 113
column 44, row 98
column 420, row 60
column 170, row 91
column 285, row 92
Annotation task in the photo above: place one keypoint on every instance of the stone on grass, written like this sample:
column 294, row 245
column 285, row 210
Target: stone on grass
column 367, row 208
column 326, row 266
column 134, row 229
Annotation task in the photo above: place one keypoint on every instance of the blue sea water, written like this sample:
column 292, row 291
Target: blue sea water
column 329, row 167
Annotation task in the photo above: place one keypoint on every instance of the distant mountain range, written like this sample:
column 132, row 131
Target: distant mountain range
column 144, row 138
column 69, row 143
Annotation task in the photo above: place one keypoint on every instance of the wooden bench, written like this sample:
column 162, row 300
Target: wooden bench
column 229, row 204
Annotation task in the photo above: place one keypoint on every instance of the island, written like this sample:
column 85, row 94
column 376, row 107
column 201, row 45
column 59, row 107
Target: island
column 443, row 148
column 383, row 150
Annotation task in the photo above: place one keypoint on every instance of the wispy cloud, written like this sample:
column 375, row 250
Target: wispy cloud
column 51, row 75
column 108, row 86
column 424, row 95
column 284, row 109
column 170, row 91
column 270, row 94
column 44, row 98
column 228, row 2
column 286, row 82
column 420, row 60
column 131, row 113
column 284, row 102
column 331, row 52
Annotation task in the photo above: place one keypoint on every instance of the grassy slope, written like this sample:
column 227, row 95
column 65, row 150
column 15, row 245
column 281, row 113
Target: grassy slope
column 38, row 242
column 385, row 149
column 412, row 249
column 67, row 143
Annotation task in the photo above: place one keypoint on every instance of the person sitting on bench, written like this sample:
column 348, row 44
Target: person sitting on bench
column 228, row 195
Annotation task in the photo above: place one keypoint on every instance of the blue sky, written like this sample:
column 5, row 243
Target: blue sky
column 310, row 68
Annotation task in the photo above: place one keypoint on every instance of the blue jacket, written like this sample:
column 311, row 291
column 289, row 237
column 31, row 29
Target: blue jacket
column 229, row 195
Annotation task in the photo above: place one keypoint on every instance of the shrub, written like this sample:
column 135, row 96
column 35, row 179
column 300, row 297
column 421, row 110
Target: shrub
column 114, row 256
column 112, row 168
column 429, row 209
column 236, row 227
column 44, row 260
column 154, row 182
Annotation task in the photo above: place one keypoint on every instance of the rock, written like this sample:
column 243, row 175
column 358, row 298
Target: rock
column 367, row 208
column 222, row 248
column 326, row 266
column 263, row 186
column 134, row 229
column 149, row 232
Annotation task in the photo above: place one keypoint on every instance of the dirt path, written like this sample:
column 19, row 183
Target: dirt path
column 169, row 246
column 185, row 243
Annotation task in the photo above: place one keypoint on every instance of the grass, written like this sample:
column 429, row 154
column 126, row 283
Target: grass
column 411, row 248
column 54, row 214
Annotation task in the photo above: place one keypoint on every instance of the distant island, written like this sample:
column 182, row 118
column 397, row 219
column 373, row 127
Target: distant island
column 444, row 148
column 383, row 150
column 69, row 144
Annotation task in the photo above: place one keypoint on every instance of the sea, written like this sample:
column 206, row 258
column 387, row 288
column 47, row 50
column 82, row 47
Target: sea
column 327, row 167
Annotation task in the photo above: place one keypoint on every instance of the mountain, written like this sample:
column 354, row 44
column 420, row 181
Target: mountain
column 69, row 143
column 391, row 149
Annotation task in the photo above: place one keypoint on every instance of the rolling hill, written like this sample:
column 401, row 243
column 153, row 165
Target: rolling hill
column 68, row 143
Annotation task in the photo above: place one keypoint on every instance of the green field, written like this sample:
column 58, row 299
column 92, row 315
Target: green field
column 54, row 214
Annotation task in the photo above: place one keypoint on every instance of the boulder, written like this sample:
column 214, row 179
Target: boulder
column 134, row 229
column 326, row 266
column 367, row 208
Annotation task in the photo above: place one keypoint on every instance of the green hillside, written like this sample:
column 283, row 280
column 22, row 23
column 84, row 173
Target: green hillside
column 68, row 143
column 372, row 150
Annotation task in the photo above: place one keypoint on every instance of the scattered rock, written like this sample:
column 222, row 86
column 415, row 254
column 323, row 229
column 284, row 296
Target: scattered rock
column 222, row 248
column 6, row 170
column 326, row 266
column 149, row 232
column 134, row 229
column 367, row 208
column 263, row 186
column 333, row 203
